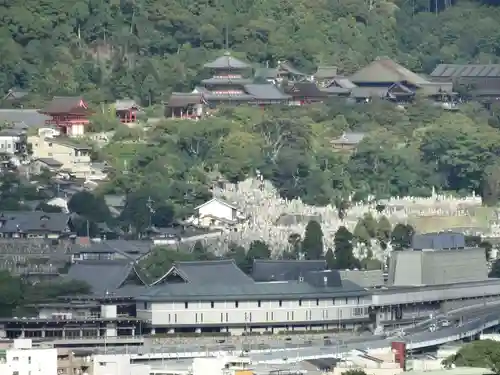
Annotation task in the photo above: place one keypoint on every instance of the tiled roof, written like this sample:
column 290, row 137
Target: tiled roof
column 366, row 279
column 30, row 117
column 284, row 270
column 226, row 62
column 467, row 70
column 232, row 81
column 15, row 94
column 63, row 104
column 101, row 276
column 125, row 104
column 248, row 291
column 216, row 272
column 285, row 66
column 269, row 73
column 265, row 91
column 28, row 221
column 438, row 241
column 178, row 99
column 386, row 70
column 305, row 89
column 129, row 248
column 325, row 72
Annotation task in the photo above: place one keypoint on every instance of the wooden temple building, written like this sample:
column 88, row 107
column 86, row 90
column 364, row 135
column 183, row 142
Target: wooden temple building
column 228, row 85
column 69, row 114
column 126, row 110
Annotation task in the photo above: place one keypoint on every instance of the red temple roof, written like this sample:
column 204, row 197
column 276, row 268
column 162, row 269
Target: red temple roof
column 66, row 105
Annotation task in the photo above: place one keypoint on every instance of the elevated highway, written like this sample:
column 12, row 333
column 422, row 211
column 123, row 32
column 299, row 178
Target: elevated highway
column 473, row 322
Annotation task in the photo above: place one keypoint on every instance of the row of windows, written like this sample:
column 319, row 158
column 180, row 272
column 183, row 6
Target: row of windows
column 280, row 302
column 290, row 315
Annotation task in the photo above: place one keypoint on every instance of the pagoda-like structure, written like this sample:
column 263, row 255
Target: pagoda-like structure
column 69, row 114
column 227, row 82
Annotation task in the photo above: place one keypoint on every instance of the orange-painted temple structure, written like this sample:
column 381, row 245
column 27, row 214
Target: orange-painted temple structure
column 126, row 110
column 69, row 114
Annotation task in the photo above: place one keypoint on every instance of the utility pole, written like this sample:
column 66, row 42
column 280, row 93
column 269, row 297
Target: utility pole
column 149, row 205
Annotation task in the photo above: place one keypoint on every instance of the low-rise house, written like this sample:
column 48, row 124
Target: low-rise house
column 217, row 212
column 14, row 97
column 75, row 158
column 13, row 141
column 348, row 141
column 33, row 224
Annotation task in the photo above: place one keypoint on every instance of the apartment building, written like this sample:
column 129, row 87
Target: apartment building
column 23, row 359
column 74, row 158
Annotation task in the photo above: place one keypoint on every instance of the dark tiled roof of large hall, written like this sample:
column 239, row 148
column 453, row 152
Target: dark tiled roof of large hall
column 251, row 291
column 284, row 270
column 467, row 70
column 215, row 272
column 102, row 276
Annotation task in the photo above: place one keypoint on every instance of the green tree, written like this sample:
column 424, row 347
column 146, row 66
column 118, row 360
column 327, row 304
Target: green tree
column 312, row 245
column 482, row 353
column 360, row 233
column 344, row 257
column 330, row 259
column 384, row 230
column 490, row 191
column 401, row 236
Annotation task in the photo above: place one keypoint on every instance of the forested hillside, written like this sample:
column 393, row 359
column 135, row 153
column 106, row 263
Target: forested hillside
column 147, row 48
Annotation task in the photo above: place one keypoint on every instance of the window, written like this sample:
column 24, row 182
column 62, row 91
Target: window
column 281, row 303
column 357, row 300
column 145, row 305
column 15, row 372
column 29, row 360
column 333, row 301
column 212, row 304
column 317, row 301
column 15, row 359
column 221, row 317
column 300, row 302
column 186, row 305
column 236, row 304
column 258, row 303
column 227, row 317
column 357, row 311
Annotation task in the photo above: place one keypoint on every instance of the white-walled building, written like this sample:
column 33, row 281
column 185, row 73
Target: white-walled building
column 217, row 212
column 24, row 360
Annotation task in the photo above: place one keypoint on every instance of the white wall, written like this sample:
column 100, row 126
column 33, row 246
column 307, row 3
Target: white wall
column 217, row 209
column 31, row 361
column 117, row 364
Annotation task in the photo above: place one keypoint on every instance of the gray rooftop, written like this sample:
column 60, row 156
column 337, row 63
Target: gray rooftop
column 350, row 138
column 207, row 273
column 50, row 162
column 265, row 91
column 131, row 249
column 229, row 81
column 438, row 241
column 33, row 221
column 226, row 62
column 284, row 270
column 101, row 276
column 437, row 267
column 325, row 72
column 30, row 117
column 364, row 278
column 466, row 70
column 125, row 104
column 251, row 291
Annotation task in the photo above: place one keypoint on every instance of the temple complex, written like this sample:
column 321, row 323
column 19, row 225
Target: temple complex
column 229, row 86
column 69, row 114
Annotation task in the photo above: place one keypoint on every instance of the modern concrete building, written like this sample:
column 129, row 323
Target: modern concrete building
column 216, row 296
column 22, row 359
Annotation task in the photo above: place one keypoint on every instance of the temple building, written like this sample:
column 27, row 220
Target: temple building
column 69, row 114
column 229, row 86
column 126, row 110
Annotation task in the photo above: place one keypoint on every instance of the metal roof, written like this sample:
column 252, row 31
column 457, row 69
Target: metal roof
column 265, row 91
column 128, row 248
column 33, row 221
column 438, row 241
column 466, row 70
column 349, row 138
column 226, row 62
column 284, row 270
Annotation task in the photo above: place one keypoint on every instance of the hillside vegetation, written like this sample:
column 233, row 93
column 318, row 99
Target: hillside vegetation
column 147, row 48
